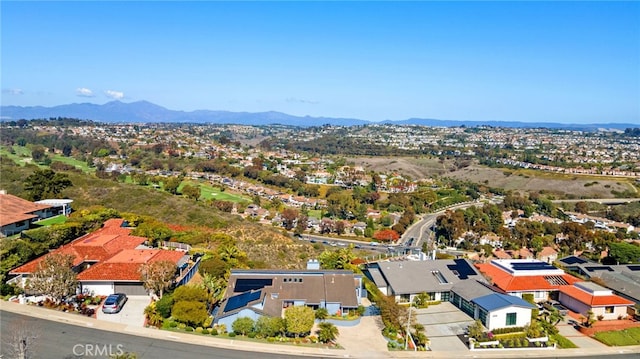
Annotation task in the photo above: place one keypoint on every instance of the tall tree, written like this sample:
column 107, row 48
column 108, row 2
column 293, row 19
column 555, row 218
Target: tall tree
column 171, row 184
column 289, row 216
column 191, row 191
column 46, row 183
column 54, row 276
column 158, row 276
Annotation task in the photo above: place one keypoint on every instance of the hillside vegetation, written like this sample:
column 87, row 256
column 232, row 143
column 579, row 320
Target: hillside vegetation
column 522, row 180
column 264, row 246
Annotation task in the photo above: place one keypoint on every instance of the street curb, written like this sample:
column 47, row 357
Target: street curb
column 185, row 338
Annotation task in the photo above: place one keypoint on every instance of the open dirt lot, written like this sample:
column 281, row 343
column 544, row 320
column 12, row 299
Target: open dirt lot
column 576, row 186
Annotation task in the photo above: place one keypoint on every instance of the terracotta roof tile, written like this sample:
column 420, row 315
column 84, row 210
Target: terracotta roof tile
column 15, row 209
column 591, row 300
column 126, row 264
column 93, row 247
column 510, row 283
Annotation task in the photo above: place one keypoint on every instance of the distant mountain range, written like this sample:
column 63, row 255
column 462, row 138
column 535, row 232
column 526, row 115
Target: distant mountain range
column 145, row 112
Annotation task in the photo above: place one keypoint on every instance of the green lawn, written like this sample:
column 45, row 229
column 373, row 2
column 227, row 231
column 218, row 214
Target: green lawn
column 73, row 162
column 208, row 191
column 21, row 156
column 53, row 220
column 616, row 338
column 563, row 342
column 315, row 213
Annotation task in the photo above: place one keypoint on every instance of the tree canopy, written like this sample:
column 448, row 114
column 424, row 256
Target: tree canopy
column 54, row 276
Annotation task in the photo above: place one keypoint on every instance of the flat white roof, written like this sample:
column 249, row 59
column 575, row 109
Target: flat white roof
column 55, row 202
column 526, row 267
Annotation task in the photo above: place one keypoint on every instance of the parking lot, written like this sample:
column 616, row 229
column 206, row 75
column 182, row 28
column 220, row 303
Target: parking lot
column 443, row 323
column 131, row 314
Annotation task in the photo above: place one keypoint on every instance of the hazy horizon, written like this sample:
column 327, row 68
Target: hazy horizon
column 547, row 62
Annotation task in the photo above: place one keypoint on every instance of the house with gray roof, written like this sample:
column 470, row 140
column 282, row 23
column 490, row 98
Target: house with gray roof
column 406, row 279
column 452, row 280
column 256, row 293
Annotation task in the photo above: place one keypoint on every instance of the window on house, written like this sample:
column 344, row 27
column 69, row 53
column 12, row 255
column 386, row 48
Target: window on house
column 511, row 318
column 608, row 310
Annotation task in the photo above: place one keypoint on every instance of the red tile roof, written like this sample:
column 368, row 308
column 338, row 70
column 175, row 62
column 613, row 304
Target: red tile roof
column 15, row 209
column 593, row 300
column 510, row 283
column 93, row 247
column 126, row 264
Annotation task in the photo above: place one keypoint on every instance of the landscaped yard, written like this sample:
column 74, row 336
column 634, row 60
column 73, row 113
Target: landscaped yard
column 52, row 220
column 624, row 337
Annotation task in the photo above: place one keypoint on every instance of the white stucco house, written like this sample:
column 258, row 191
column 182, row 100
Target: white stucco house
column 502, row 311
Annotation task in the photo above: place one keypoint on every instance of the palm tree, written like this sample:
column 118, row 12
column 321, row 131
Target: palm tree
column 327, row 332
column 215, row 286
column 322, row 313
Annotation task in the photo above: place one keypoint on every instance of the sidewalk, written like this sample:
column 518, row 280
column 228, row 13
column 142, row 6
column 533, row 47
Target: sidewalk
column 363, row 348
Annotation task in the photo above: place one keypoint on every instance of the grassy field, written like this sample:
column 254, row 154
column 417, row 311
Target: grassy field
column 22, row 156
column 73, row 162
column 208, row 192
column 629, row 336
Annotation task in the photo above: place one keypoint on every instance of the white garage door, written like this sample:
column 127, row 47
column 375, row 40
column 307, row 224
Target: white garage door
column 129, row 288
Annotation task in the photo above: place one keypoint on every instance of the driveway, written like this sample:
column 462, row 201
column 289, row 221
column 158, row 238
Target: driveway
column 131, row 314
column 443, row 323
column 364, row 340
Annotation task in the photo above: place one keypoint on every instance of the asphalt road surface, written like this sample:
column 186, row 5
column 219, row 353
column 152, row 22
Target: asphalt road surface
column 59, row 340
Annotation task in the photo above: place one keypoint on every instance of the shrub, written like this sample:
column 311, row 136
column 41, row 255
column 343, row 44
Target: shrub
column 251, row 335
column 191, row 313
column 243, row 325
column 173, row 324
column 199, row 330
column 182, row 326
column 190, row 293
column 214, row 331
column 204, row 331
column 188, row 329
column 232, row 335
column 164, row 304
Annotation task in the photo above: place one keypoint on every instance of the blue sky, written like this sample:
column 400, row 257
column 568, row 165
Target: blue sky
column 571, row 62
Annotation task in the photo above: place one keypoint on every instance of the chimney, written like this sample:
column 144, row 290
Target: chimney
column 313, row 264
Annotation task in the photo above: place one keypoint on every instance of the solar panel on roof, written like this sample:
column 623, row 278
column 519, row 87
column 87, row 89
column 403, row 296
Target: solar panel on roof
column 574, row 260
column 241, row 300
column 599, row 268
column 463, row 268
column 247, row 284
column 532, row 266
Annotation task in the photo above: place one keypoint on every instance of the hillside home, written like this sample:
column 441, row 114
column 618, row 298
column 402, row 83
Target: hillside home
column 16, row 214
column 521, row 276
column 108, row 260
column 256, row 293
column 622, row 279
column 584, row 296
